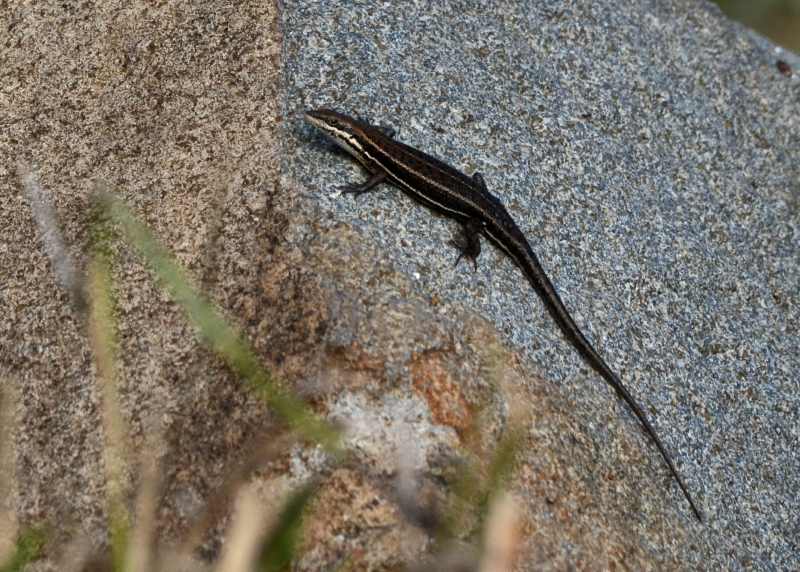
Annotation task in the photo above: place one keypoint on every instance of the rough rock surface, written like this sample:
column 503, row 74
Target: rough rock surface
column 175, row 107
column 650, row 154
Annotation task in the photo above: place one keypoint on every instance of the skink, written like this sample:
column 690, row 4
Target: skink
column 467, row 200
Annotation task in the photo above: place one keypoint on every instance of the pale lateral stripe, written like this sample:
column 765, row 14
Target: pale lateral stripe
column 499, row 243
column 415, row 192
column 354, row 147
column 445, row 190
column 433, row 183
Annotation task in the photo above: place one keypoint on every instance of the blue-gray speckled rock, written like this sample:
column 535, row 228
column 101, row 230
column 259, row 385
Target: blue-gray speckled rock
column 651, row 156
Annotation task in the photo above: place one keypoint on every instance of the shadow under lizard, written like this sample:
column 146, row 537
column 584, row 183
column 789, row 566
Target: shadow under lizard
column 467, row 200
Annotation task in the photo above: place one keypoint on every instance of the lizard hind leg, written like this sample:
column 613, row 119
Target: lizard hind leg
column 477, row 178
column 469, row 241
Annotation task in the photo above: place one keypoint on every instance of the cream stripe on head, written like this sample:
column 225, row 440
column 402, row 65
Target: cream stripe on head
column 342, row 138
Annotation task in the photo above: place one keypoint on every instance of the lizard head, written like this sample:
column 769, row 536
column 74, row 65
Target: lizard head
column 327, row 119
column 343, row 130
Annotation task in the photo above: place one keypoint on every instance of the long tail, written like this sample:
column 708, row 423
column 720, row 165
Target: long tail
column 555, row 306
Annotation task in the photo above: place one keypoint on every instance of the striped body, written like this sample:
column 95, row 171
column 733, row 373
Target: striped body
column 467, row 200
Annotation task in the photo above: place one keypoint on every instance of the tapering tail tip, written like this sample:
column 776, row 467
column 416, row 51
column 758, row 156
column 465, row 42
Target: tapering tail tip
column 689, row 498
column 696, row 511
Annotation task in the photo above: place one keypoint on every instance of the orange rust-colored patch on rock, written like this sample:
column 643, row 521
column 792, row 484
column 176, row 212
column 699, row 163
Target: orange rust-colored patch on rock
column 355, row 358
column 433, row 381
column 351, row 368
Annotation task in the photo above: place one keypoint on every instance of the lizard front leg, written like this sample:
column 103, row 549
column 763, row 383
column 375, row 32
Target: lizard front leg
column 366, row 186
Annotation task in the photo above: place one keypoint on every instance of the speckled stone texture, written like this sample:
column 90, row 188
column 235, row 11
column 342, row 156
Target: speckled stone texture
column 650, row 153
column 174, row 106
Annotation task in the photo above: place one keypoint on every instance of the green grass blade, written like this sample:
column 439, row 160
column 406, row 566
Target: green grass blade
column 30, row 546
column 216, row 332
column 102, row 327
column 279, row 547
column 500, row 470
